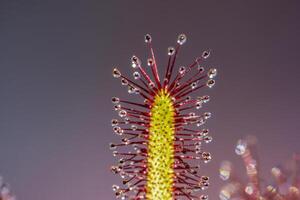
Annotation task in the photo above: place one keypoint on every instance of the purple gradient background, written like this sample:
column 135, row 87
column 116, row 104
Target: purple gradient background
column 56, row 59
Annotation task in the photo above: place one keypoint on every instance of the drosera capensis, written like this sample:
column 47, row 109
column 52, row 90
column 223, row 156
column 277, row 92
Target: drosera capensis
column 162, row 135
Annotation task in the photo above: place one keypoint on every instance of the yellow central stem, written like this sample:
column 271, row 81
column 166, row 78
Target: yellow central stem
column 160, row 160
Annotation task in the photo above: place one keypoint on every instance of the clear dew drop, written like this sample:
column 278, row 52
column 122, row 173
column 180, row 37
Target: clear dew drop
column 200, row 122
column 205, row 54
column 205, row 178
column 115, row 100
column 117, row 107
column 124, row 81
column 188, row 98
column 200, row 69
column 203, row 197
column 198, row 104
column 125, row 141
column 135, row 61
column 181, row 39
column 204, row 98
column 212, row 73
column 122, row 113
column 198, row 150
column 133, row 65
column 204, row 132
column 171, row 51
column 112, row 146
column 116, row 73
column 126, row 119
column 136, row 75
column 207, row 115
column 204, row 185
column 192, row 114
column 182, row 70
column 131, row 90
column 241, row 147
column 150, row 62
column 210, row 83
column 207, row 139
column 114, row 122
column 148, row 38
column 115, row 187
column 206, row 156
column 118, row 130
column 194, row 85
column 133, row 127
column 121, row 161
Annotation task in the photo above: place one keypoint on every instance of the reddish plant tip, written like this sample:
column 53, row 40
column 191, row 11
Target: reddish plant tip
column 161, row 134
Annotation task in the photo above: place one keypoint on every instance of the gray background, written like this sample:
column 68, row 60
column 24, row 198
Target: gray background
column 56, row 59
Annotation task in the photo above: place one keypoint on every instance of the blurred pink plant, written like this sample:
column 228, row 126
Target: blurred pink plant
column 5, row 193
column 286, row 179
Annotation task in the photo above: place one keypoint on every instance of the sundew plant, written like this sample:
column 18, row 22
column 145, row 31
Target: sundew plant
column 161, row 132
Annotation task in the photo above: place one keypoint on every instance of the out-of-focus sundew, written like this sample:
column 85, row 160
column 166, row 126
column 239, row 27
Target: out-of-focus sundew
column 161, row 133
column 285, row 183
column 5, row 193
